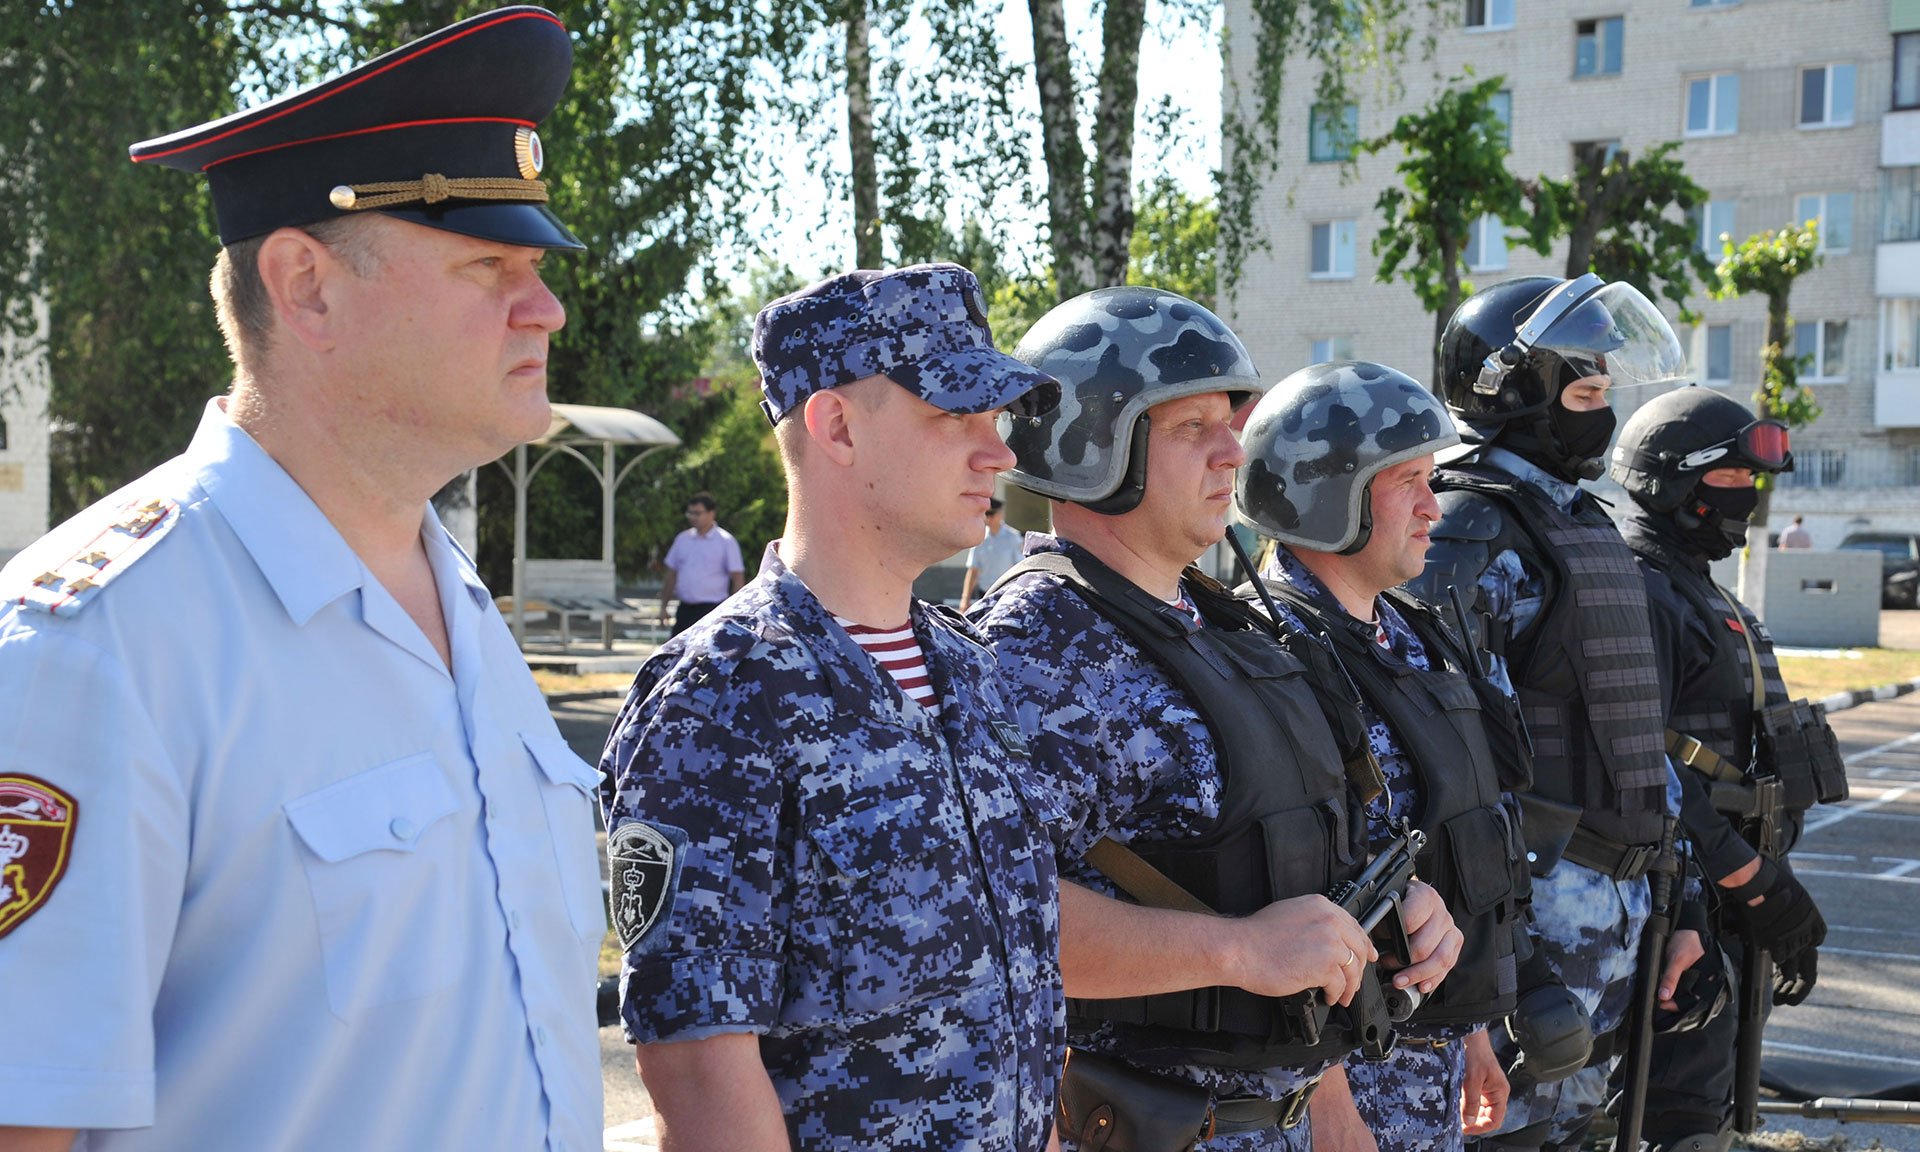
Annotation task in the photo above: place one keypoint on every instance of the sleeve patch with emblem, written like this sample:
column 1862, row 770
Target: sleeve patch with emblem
column 36, row 837
column 643, row 869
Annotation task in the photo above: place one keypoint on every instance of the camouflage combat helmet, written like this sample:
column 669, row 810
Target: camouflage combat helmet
column 1117, row 352
column 1317, row 440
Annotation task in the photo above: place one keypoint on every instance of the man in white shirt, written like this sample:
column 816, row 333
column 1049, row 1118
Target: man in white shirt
column 703, row 565
column 987, row 560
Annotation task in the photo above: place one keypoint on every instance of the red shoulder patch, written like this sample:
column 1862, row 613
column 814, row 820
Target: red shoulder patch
column 36, row 837
column 1733, row 625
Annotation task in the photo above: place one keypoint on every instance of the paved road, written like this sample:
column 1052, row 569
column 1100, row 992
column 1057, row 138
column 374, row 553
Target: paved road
column 1861, row 860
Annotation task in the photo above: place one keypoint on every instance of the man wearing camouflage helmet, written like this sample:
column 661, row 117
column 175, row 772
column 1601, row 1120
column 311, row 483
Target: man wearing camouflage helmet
column 1338, row 458
column 830, row 870
column 1527, row 368
column 1202, row 777
column 1688, row 460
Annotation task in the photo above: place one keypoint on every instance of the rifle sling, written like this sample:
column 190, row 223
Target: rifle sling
column 1141, row 880
column 1698, row 756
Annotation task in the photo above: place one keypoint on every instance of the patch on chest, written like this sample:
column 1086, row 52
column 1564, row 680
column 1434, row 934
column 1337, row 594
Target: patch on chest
column 69, row 586
column 643, row 870
column 36, row 838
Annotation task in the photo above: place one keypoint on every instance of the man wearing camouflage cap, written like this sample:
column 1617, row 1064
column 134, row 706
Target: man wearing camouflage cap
column 1338, row 457
column 1191, row 752
column 831, row 874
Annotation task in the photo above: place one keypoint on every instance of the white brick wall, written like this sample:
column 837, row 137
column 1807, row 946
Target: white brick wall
column 1278, row 310
column 23, row 462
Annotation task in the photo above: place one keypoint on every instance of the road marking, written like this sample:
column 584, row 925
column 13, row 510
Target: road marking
column 1909, row 738
column 1853, row 810
column 1900, row 867
column 1865, row 931
column 634, row 1136
column 1868, row 1057
column 1858, row 875
column 1830, row 950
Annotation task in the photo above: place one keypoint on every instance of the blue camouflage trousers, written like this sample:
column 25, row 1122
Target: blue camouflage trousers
column 1589, row 927
column 1411, row 1100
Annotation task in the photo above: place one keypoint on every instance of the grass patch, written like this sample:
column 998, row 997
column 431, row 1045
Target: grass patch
column 1815, row 676
column 610, row 955
column 552, row 683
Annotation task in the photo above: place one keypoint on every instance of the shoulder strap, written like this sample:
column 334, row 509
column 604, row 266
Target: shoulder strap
column 1141, row 880
column 1698, row 756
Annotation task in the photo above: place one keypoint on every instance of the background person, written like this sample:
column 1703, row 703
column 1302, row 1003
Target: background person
column 988, row 560
column 1796, row 534
column 306, row 862
column 703, row 565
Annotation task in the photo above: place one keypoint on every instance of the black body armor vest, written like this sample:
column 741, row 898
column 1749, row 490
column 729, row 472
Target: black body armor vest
column 1585, row 673
column 1450, row 733
column 1286, row 826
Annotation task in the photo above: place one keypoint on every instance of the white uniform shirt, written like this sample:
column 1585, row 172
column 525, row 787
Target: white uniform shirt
column 321, row 894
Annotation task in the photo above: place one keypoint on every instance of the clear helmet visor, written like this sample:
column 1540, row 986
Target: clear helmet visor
column 1619, row 334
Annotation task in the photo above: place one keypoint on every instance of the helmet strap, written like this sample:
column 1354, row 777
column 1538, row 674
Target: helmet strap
column 1365, row 532
column 1133, row 481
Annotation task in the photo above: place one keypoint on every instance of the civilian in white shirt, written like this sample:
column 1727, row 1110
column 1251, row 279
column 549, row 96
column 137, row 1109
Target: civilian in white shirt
column 703, row 565
column 989, row 559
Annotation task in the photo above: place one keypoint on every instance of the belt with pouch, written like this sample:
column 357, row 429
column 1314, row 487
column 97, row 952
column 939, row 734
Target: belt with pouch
column 1110, row 1106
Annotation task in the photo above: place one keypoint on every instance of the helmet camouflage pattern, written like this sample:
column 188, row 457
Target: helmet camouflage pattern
column 1116, row 352
column 1319, row 438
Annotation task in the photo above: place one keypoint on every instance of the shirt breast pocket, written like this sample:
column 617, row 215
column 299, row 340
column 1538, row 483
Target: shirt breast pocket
column 379, row 853
column 896, row 915
column 568, row 794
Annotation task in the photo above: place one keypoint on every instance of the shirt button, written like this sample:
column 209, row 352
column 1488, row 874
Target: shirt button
column 402, row 828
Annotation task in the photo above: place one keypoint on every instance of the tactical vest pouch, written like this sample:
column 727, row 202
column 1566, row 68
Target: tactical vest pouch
column 1546, row 826
column 1482, row 848
column 1796, row 742
column 1506, row 736
column 1109, row 1106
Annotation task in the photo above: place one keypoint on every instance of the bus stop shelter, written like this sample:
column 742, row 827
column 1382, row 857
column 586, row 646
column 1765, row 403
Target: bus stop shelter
column 577, row 430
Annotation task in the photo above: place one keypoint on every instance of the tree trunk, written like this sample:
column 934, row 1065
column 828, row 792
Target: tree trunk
column 1450, row 279
column 866, row 178
column 1060, row 145
column 1121, row 29
column 1753, row 561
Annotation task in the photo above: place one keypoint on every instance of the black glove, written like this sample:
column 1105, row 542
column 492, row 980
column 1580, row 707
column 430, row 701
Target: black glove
column 1794, row 977
column 1787, row 922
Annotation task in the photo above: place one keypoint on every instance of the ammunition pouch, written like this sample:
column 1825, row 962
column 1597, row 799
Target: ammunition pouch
column 1799, row 746
column 1107, row 1105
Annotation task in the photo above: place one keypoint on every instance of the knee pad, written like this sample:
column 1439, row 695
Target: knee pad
column 1553, row 1032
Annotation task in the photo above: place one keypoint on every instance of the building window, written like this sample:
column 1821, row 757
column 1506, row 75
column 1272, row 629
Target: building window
column 1712, row 3
column 1333, row 250
column 1713, row 105
column 1487, row 245
column 1715, row 219
column 1327, row 348
column 1899, row 205
column 1832, row 214
column 3, row 433
column 1900, row 335
column 1826, row 96
column 1330, row 137
column 1587, row 151
column 1502, row 104
column 1716, row 352
column 1826, row 342
column 1816, row 468
column 1906, row 70
column 1596, row 46
column 1489, row 13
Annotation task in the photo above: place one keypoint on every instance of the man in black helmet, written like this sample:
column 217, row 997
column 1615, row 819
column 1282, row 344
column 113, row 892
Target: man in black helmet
column 1189, row 747
column 1689, row 459
column 1527, row 367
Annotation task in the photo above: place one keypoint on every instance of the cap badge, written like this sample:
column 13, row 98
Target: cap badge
column 528, row 153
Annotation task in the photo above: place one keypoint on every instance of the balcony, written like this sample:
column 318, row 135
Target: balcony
column 1896, row 269
column 1900, row 139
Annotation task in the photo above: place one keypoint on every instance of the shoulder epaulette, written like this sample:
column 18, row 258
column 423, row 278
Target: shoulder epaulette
column 72, row 584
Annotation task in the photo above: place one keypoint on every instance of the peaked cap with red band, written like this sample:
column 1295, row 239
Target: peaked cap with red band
column 439, row 132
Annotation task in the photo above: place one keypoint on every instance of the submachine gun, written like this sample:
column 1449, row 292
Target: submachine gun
column 1374, row 898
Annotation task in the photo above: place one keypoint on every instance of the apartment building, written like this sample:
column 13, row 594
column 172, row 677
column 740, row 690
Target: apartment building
column 1784, row 109
column 24, row 438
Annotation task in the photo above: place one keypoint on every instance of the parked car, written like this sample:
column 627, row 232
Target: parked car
column 1899, row 564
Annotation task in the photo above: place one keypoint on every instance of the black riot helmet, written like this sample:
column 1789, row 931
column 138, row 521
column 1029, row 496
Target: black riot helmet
column 1676, row 439
column 1511, row 349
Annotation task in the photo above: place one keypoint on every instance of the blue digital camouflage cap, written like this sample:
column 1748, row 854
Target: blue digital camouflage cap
column 923, row 327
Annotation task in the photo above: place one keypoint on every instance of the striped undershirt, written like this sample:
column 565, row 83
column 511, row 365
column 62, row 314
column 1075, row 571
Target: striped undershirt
column 898, row 651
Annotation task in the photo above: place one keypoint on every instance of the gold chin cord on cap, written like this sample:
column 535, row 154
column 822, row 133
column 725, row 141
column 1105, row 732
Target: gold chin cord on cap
column 434, row 188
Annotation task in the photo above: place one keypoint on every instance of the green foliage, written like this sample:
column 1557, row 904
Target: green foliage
column 1622, row 222
column 1768, row 263
column 1453, row 170
column 1175, row 238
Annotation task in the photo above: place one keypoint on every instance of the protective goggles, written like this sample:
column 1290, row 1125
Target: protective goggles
column 1761, row 446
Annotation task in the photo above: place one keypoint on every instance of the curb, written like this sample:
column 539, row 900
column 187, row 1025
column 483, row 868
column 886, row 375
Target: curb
column 583, row 697
column 1841, row 701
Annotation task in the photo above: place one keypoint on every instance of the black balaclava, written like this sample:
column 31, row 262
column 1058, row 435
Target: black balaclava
column 1715, row 520
column 1571, row 445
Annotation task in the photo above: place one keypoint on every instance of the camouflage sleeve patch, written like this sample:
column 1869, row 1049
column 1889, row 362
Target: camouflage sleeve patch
column 643, row 870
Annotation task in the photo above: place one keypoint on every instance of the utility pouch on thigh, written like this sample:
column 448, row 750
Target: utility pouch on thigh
column 1545, row 828
column 1109, row 1106
column 1797, row 743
